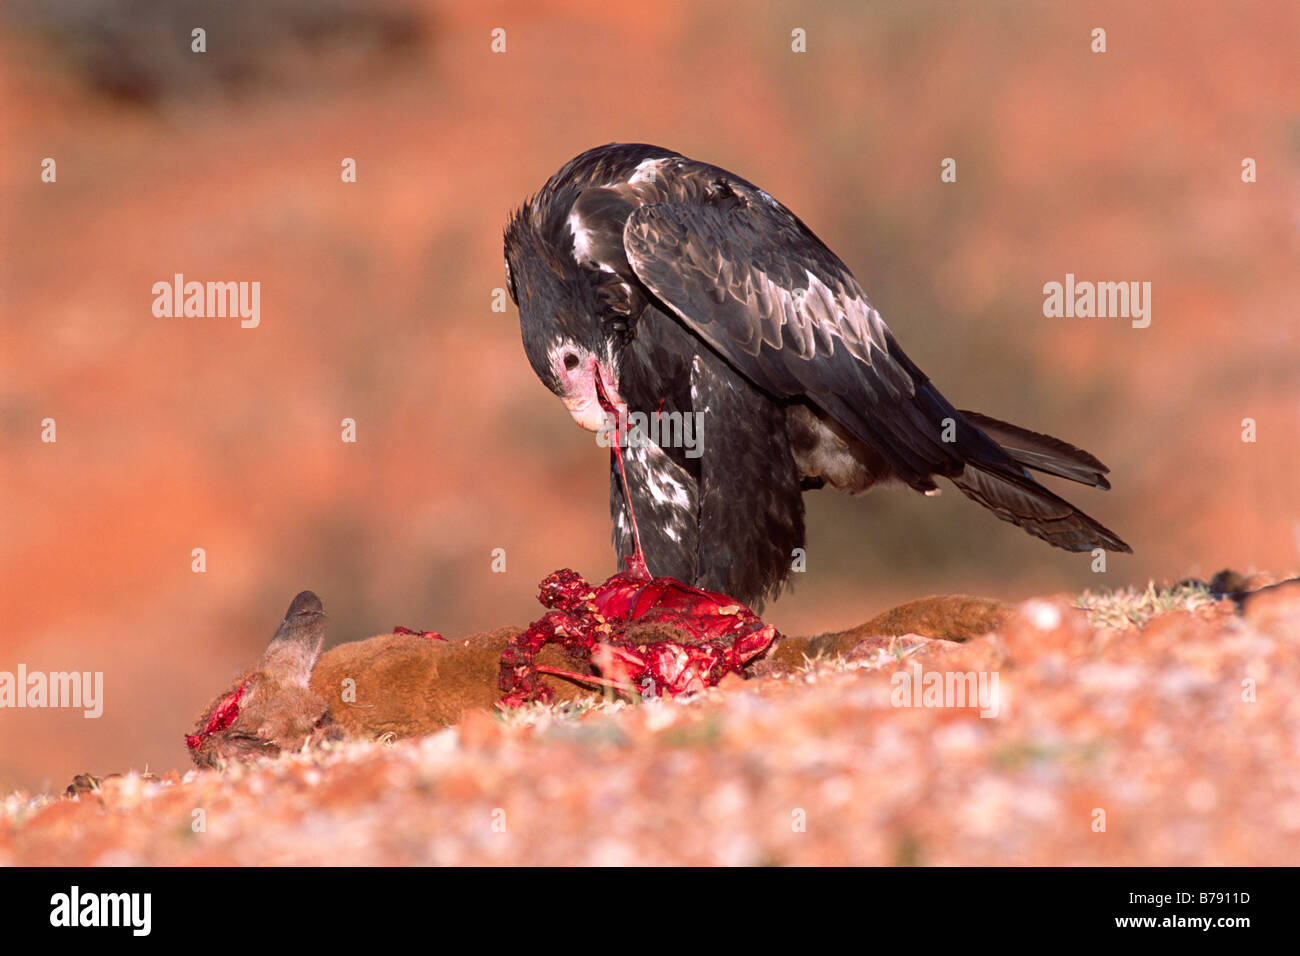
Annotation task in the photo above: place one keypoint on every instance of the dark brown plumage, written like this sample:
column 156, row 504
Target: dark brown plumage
column 671, row 285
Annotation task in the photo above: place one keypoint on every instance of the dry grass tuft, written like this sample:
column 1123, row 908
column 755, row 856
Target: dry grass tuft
column 1131, row 608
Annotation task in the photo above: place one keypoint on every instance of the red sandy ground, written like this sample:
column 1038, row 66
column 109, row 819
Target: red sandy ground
column 1150, row 726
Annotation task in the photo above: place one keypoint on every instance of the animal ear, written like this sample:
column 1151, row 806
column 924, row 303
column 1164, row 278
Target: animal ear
column 297, row 642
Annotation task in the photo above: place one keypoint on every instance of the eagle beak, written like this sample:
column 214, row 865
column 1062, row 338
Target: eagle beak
column 591, row 395
column 586, row 412
column 606, row 391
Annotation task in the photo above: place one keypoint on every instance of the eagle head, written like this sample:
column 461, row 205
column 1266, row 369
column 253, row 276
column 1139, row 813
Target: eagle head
column 560, row 320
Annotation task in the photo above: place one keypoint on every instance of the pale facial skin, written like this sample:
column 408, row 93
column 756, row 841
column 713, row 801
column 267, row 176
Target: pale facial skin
column 587, row 387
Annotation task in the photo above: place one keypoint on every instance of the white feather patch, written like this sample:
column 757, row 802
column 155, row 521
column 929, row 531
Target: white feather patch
column 581, row 240
column 647, row 171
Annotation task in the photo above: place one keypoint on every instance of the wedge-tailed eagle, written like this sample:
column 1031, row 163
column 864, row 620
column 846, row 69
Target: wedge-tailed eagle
column 649, row 280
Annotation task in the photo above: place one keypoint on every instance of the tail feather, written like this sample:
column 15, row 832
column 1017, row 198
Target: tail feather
column 1043, row 452
column 1023, row 502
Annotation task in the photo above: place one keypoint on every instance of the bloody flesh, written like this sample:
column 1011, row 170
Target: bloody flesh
column 642, row 637
column 431, row 635
column 636, row 633
column 223, row 715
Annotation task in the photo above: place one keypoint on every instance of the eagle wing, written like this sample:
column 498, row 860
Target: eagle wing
column 747, row 276
column 764, row 292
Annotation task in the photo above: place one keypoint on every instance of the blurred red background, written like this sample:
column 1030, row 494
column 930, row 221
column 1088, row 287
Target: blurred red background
column 176, row 434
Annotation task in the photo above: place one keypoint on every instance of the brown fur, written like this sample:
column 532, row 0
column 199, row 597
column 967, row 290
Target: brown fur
column 275, row 715
column 277, row 710
column 404, row 685
column 947, row 617
column 407, row 685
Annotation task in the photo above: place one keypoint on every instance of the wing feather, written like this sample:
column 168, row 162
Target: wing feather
column 749, row 278
column 763, row 291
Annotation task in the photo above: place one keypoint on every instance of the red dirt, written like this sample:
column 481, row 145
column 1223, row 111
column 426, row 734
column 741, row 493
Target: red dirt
column 1173, row 743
